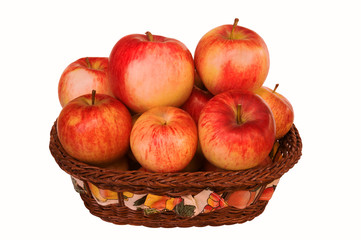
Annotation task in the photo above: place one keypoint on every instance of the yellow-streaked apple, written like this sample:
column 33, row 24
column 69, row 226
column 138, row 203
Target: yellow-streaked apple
column 164, row 139
column 95, row 128
column 281, row 108
column 196, row 101
column 148, row 71
column 82, row 76
column 231, row 57
column 236, row 130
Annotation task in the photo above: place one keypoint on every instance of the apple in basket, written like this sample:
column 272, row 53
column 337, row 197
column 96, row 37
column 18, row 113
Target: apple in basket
column 236, row 130
column 231, row 57
column 196, row 101
column 148, row 70
column 95, row 128
column 281, row 108
column 82, row 76
column 164, row 139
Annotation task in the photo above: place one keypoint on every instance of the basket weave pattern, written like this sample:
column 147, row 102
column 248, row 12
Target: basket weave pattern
column 176, row 184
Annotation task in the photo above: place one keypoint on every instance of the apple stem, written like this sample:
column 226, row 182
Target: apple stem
column 236, row 20
column 274, row 90
column 239, row 109
column 150, row 36
column 87, row 62
column 93, row 96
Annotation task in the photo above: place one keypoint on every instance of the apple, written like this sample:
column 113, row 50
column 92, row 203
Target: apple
column 281, row 108
column 236, row 130
column 148, row 71
column 95, row 129
column 211, row 168
column 82, row 76
column 196, row 101
column 231, row 57
column 164, row 139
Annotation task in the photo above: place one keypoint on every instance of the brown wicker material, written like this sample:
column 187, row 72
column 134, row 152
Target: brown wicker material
column 177, row 184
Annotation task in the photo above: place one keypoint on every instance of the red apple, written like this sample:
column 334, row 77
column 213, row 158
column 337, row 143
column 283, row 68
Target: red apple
column 82, row 76
column 211, row 168
column 164, row 139
column 195, row 103
column 231, row 57
column 148, row 71
column 95, row 129
column 281, row 108
column 236, row 130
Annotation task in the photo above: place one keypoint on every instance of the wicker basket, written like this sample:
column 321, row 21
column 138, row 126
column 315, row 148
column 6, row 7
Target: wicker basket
column 176, row 184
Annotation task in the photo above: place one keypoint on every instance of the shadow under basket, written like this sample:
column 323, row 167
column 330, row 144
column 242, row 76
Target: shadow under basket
column 178, row 184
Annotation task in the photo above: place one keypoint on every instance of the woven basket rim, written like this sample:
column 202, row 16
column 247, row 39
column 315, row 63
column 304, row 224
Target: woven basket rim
column 143, row 182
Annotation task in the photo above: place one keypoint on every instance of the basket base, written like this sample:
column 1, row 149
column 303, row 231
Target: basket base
column 122, row 215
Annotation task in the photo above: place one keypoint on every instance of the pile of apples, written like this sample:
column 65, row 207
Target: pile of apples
column 152, row 102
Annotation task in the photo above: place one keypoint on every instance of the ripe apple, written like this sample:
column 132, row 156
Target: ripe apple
column 281, row 108
column 196, row 101
column 231, row 57
column 148, row 71
column 95, row 129
column 211, row 168
column 164, row 139
column 236, row 130
column 82, row 76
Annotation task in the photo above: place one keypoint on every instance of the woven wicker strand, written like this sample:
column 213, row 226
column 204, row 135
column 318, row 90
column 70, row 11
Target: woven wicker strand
column 177, row 184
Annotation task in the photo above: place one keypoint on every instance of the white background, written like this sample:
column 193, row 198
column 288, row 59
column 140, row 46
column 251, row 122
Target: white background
column 315, row 57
